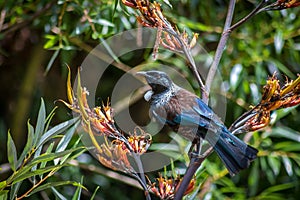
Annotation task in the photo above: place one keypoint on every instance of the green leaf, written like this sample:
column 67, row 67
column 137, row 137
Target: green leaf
column 103, row 22
column 253, row 179
column 275, row 164
column 40, row 125
column 2, row 185
column 14, row 190
column 49, row 117
column 63, row 143
column 11, row 153
column 282, row 68
column 55, row 184
column 36, row 155
column 59, row 195
column 42, row 158
column 51, row 61
column 29, row 144
column 56, row 130
column 52, row 156
column 66, row 157
column 48, row 151
column 278, row 188
column 95, row 192
column 110, row 51
column 281, row 113
column 278, row 41
column 286, row 132
column 28, row 174
column 287, row 146
column 235, row 76
column 168, row 3
column 77, row 193
column 52, row 40
column 3, row 194
column 115, row 8
column 287, row 165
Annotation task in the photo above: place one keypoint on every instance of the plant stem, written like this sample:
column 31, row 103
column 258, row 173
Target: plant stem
column 36, row 185
column 186, row 51
column 195, row 163
column 141, row 174
column 225, row 35
column 220, row 50
column 250, row 15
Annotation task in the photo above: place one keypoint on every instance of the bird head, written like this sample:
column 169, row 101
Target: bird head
column 159, row 81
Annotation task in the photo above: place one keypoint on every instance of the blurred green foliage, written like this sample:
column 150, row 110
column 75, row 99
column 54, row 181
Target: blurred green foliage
column 39, row 37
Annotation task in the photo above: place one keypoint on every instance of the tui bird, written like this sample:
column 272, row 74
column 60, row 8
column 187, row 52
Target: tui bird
column 188, row 115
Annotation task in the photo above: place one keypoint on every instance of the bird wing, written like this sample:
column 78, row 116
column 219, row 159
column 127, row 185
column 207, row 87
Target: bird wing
column 198, row 113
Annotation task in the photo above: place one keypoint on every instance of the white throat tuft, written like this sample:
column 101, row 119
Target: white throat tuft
column 148, row 95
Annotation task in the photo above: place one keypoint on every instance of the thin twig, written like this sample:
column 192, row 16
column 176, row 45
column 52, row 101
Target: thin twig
column 37, row 184
column 186, row 52
column 250, row 15
column 220, row 50
column 196, row 162
column 141, row 174
column 99, row 54
column 222, row 43
column 108, row 173
column 21, row 24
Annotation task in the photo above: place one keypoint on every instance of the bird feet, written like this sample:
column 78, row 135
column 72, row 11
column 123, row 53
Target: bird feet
column 195, row 151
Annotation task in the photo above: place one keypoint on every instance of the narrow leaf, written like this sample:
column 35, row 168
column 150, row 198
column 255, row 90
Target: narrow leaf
column 95, row 192
column 49, row 118
column 11, row 153
column 2, row 185
column 29, row 174
column 53, row 57
column 78, row 191
column 29, row 144
column 62, row 160
column 40, row 122
column 3, row 194
column 57, row 194
column 42, row 158
column 34, row 167
column 286, row 133
column 287, row 146
column 56, row 130
column 44, row 163
column 275, row 164
column 287, row 165
column 55, row 184
column 70, row 93
column 63, row 143
column 115, row 9
column 14, row 190
column 278, row 188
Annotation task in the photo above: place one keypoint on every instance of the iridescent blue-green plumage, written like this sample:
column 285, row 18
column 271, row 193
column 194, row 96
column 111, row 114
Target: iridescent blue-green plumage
column 188, row 115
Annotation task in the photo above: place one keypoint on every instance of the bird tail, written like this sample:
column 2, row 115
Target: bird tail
column 234, row 153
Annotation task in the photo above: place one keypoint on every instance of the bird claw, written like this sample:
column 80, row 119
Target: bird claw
column 195, row 155
column 195, row 151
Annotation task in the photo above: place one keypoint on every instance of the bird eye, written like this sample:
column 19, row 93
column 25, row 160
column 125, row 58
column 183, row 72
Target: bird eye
column 159, row 88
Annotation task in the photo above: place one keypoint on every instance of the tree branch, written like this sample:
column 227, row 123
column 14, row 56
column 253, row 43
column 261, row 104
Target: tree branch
column 220, row 50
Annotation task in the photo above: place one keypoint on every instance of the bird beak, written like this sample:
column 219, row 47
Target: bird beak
column 141, row 73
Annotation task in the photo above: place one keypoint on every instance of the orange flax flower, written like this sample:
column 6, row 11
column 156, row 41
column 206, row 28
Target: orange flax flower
column 151, row 15
column 165, row 188
column 99, row 121
column 274, row 97
column 282, row 4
